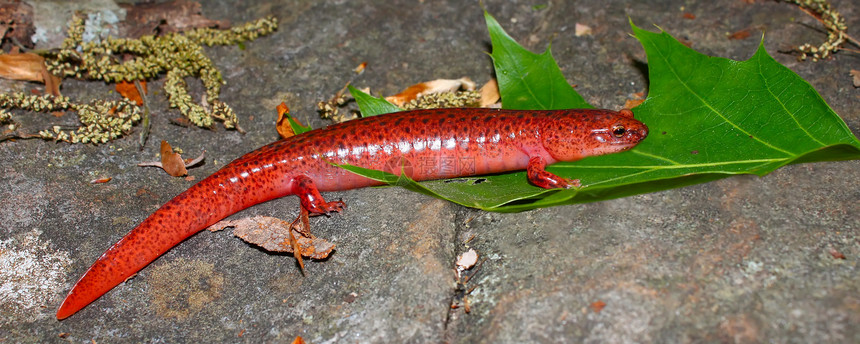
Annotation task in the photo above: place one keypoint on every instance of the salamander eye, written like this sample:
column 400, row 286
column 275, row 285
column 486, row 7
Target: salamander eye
column 618, row 130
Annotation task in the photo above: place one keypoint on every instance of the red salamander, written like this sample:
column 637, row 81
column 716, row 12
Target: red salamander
column 477, row 141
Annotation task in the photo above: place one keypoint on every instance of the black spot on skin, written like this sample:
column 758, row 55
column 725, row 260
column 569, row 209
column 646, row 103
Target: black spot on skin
column 507, row 127
column 407, row 130
column 425, row 121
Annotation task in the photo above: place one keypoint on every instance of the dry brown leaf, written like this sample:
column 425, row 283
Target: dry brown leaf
column 836, row 254
column 100, row 180
column 172, row 16
column 597, row 306
column 360, row 69
column 22, row 66
column 632, row 103
column 29, row 67
column 273, row 235
column 129, row 91
column 16, row 22
column 436, row 86
column 856, row 75
column 741, row 34
column 490, row 93
column 283, row 123
column 581, row 30
column 172, row 163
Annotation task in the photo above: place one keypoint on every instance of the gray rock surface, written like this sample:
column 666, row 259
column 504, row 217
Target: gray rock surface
column 743, row 259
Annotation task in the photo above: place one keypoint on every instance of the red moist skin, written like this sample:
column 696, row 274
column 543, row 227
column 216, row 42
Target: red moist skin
column 426, row 144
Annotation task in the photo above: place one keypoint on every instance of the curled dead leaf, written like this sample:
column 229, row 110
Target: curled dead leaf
column 283, row 123
column 436, row 86
column 360, row 68
column 29, row 67
column 490, row 93
column 129, row 91
column 21, row 66
column 580, row 30
column 273, row 235
column 172, row 162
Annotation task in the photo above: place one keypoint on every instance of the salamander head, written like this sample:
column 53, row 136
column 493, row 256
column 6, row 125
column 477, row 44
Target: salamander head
column 580, row 133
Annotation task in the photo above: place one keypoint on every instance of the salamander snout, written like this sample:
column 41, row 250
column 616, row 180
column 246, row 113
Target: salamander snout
column 585, row 133
column 619, row 133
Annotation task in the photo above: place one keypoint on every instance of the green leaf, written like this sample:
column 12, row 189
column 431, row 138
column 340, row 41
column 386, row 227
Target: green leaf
column 709, row 118
column 529, row 81
column 297, row 127
column 370, row 105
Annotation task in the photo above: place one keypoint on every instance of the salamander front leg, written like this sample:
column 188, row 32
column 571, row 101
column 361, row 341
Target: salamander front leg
column 311, row 200
column 539, row 176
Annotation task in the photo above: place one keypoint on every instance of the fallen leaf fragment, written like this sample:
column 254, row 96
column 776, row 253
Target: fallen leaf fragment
column 580, row 30
column 29, row 67
column 360, row 68
column 129, row 91
column 856, row 75
column 172, row 163
column 100, row 180
column 436, row 86
column 741, row 34
column 298, row 340
column 836, row 254
column 467, row 260
column 632, row 103
column 273, row 235
column 597, row 306
column 490, row 93
column 689, row 15
column 22, row 66
column 283, row 124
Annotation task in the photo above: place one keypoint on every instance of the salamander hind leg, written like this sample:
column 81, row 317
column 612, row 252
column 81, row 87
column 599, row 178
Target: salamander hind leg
column 311, row 200
column 539, row 176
